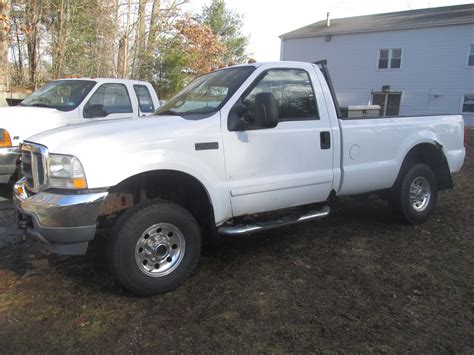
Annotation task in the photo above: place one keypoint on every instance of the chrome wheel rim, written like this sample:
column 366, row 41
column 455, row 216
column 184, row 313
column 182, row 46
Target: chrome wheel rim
column 420, row 194
column 160, row 249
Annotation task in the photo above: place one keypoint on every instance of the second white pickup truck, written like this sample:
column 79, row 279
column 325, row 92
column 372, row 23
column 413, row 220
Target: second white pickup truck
column 69, row 101
column 234, row 145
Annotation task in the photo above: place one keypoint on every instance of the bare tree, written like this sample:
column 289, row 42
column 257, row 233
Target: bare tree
column 59, row 35
column 141, row 37
column 33, row 15
column 152, row 40
column 123, row 52
column 16, row 43
column 4, row 13
column 154, row 26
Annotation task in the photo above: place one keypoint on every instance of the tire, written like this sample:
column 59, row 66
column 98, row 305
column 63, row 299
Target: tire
column 154, row 247
column 17, row 175
column 415, row 195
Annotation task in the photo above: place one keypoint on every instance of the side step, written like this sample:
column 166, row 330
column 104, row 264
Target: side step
column 263, row 226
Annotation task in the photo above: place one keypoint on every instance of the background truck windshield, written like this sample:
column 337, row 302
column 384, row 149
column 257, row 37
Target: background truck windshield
column 63, row 95
column 207, row 94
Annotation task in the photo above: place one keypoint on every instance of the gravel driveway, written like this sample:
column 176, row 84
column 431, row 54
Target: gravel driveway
column 356, row 282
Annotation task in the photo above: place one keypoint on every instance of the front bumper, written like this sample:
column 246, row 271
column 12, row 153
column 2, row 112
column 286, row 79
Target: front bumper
column 64, row 223
column 8, row 160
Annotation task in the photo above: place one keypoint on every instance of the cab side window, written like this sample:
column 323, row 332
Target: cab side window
column 144, row 98
column 108, row 99
column 293, row 91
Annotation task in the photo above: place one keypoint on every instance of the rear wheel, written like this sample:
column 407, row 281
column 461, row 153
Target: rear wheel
column 414, row 197
column 154, row 247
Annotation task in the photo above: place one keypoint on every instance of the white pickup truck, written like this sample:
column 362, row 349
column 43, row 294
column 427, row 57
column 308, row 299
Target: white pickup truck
column 234, row 145
column 69, row 101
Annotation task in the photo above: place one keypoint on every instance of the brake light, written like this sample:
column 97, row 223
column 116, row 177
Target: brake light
column 5, row 140
column 465, row 137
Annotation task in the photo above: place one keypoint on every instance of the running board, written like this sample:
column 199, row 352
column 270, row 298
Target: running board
column 263, row 226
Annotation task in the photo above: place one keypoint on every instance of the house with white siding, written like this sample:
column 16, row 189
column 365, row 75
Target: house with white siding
column 417, row 62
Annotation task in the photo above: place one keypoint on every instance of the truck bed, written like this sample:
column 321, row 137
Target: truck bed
column 373, row 149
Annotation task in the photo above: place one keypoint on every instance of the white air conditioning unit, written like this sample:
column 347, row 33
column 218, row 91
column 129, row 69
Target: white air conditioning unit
column 363, row 111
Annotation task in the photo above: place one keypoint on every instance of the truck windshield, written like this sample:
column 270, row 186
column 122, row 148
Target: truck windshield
column 63, row 95
column 207, row 94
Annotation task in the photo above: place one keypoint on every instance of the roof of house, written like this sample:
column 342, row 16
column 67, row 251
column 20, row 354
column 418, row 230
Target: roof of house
column 432, row 17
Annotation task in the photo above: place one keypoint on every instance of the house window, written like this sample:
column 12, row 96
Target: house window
column 468, row 104
column 389, row 103
column 470, row 55
column 390, row 58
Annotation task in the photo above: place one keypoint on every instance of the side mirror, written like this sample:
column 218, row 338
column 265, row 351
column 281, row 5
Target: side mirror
column 264, row 114
column 266, row 110
column 95, row 111
column 236, row 121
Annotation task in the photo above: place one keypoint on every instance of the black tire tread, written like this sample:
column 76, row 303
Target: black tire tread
column 122, row 222
column 399, row 206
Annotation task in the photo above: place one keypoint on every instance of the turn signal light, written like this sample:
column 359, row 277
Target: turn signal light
column 79, row 183
column 20, row 190
column 5, row 140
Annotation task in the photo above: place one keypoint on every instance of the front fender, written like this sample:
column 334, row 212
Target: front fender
column 204, row 167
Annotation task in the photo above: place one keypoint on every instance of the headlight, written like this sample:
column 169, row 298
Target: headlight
column 5, row 139
column 66, row 172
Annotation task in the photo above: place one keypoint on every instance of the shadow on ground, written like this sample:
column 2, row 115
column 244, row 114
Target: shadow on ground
column 5, row 192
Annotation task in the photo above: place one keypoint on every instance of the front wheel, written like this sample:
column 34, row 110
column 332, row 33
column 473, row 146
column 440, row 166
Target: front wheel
column 154, row 247
column 414, row 198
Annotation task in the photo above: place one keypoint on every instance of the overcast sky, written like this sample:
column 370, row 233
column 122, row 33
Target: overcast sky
column 265, row 20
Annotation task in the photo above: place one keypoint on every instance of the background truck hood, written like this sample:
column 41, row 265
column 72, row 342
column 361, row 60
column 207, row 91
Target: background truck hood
column 22, row 121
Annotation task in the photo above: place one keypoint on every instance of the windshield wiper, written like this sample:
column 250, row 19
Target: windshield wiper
column 169, row 112
column 40, row 105
column 203, row 110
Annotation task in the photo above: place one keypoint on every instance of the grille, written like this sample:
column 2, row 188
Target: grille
column 26, row 168
column 32, row 166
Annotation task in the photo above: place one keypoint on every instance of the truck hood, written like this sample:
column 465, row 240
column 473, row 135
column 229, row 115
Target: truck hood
column 116, row 135
column 111, row 151
column 23, row 121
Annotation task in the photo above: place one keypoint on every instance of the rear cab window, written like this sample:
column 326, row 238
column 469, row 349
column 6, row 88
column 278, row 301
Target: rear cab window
column 145, row 102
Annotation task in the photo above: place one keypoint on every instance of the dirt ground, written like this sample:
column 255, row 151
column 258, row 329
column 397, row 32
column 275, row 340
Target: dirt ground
column 356, row 282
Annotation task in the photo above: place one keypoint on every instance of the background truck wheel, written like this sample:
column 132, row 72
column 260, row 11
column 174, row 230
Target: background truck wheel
column 154, row 247
column 414, row 197
column 17, row 175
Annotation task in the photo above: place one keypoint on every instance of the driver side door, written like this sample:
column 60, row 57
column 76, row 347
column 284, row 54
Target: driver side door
column 274, row 168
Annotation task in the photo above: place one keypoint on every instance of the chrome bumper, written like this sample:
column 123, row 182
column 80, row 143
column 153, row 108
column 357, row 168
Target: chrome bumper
column 8, row 159
column 65, row 223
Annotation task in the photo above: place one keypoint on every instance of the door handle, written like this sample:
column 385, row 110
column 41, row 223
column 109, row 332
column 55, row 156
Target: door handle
column 325, row 138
